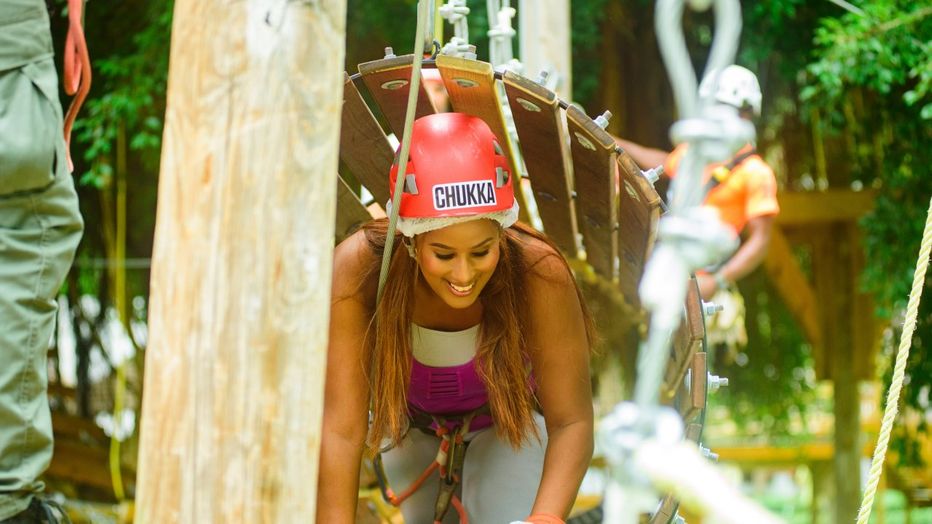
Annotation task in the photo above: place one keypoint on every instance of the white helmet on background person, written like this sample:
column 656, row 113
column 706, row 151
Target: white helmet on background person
column 736, row 86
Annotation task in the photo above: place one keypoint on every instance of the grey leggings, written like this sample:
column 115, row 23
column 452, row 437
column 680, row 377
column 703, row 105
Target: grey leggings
column 499, row 483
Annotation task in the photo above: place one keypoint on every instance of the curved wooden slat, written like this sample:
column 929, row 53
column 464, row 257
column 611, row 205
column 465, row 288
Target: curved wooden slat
column 541, row 133
column 687, row 342
column 364, row 148
column 595, row 175
column 350, row 212
column 638, row 216
column 388, row 82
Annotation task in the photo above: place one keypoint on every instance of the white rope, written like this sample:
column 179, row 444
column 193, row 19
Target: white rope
column 899, row 371
column 424, row 18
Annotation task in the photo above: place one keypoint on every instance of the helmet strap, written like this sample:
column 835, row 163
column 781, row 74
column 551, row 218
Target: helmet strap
column 409, row 245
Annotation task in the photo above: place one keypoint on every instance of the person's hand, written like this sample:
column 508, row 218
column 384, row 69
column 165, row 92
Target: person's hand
column 540, row 518
column 707, row 285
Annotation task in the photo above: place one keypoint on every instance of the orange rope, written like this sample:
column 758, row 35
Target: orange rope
column 77, row 70
column 460, row 509
column 397, row 500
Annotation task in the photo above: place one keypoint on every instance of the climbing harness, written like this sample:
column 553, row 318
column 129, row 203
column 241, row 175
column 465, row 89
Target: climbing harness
column 77, row 70
column 451, row 454
column 899, row 372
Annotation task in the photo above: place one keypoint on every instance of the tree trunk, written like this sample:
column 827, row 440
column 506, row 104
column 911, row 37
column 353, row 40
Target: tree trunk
column 242, row 263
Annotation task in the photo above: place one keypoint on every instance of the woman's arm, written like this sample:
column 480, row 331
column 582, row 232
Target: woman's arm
column 560, row 358
column 345, row 392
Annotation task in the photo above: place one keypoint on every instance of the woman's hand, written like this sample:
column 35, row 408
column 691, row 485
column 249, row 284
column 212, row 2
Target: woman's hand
column 540, row 518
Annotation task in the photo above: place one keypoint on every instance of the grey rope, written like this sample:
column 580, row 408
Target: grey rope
column 424, row 17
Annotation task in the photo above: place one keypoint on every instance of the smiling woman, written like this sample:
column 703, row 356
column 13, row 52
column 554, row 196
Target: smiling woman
column 478, row 347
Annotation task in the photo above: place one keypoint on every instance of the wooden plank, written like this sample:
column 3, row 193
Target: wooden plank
column 364, row 148
column 810, row 207
column 351, row 213
column 595, row 176
column 541, row 132
column 698, row 386
column 666, row 511
column 473, row 91
column 85, row 465
column 693, row 432
column 77, row 428
column 638, row 216
column 687, row 341
column 388, row 81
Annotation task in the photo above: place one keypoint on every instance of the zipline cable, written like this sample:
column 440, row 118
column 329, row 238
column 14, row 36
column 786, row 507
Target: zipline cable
column 899, row 372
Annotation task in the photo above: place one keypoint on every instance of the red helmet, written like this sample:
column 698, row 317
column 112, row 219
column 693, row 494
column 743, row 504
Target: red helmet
column 455, row 168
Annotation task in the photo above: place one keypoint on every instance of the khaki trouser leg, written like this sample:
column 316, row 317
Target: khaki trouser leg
column 40, row 227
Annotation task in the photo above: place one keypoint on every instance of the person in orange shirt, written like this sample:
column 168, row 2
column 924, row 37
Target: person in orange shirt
column 743, row 190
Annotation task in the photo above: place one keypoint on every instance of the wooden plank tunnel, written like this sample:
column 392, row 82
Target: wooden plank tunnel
column 240, row 287
column 615, row 209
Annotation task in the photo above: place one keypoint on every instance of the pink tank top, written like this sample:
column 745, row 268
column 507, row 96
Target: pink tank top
column 448, row 390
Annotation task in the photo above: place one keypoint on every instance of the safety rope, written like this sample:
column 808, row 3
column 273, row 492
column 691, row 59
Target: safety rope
column 424, row 18
column 77, row 70
column 899, row 371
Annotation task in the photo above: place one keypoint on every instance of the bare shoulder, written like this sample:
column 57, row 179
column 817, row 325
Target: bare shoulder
column 353, row 260
column 546, row 265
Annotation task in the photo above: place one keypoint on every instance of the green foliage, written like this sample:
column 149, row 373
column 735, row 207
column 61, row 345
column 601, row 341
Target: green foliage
column 772, row 380
column 871, row 78
column 129, row 94
column 587, row 19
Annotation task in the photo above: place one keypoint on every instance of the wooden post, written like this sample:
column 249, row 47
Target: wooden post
column 832, row 265
column 544, row 38
column 242, row 263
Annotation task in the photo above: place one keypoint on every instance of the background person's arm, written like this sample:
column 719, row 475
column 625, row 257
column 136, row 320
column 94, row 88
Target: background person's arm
column 749, row 255
column 346, row 397
column 646, row 157
column 560, row 358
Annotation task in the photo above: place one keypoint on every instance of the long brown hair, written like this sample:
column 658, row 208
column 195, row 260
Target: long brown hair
column 502, row 358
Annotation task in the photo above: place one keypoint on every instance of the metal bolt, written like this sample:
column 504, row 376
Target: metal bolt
column 470, row 53
column 602, row 120
column 711, row 308
column 389, row 52
column 707, row 453
column 542, row 77
column 716, row 382
column 653, row 175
